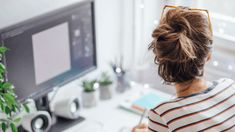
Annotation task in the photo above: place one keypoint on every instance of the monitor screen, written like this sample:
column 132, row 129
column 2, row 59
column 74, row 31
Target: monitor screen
column 50, row 50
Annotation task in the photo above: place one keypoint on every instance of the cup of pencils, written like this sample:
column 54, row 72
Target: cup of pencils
column 122, row 83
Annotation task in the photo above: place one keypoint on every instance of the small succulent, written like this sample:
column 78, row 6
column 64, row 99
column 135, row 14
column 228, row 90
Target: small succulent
column 105, row 80
column 88, row 86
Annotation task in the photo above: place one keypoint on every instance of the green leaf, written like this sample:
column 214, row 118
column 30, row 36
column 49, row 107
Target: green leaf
column 7, row 85
column 1, row 77
column 3, row 49
column 4, row 127
column 18, row 106
column 17, row 120
column 7, row 110
column 14, row 108
column 2, row 106
column 13, row 127
column 2, row 67
column 26, row 108
column 9, row 99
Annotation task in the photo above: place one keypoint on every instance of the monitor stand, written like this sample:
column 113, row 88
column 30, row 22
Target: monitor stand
column 43, row 104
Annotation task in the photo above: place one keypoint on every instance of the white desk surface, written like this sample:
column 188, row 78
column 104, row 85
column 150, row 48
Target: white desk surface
column 109, row 115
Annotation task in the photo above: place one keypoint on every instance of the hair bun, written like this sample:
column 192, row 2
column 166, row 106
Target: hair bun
column 187, row 47
column 179, row 24
column 173, row 46
column 180, row 45
column 172, row 39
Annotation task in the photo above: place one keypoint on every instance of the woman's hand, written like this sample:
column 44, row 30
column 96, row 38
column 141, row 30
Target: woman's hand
column 140, row 128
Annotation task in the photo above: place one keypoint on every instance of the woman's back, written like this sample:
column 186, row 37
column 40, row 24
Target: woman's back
column 182, row 45
column 212, row 110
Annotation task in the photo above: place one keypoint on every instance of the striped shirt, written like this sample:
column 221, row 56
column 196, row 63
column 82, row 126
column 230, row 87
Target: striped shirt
column 209, row 111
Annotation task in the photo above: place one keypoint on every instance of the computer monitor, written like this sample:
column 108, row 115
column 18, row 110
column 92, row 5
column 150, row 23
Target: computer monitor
column 50, row 50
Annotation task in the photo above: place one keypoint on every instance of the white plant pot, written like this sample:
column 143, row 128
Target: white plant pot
column 106, row 92
column 90, row 99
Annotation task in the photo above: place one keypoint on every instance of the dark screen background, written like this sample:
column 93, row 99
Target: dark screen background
column 19, row 58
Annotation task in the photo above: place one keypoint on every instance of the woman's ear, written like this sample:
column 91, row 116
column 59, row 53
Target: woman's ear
column 209, row 56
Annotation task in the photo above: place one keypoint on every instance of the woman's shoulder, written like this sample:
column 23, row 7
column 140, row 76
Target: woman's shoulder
column 224, row 83
column 166, row 106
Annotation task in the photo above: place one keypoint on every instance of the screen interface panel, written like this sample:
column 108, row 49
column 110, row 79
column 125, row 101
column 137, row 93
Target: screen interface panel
column 50, row 51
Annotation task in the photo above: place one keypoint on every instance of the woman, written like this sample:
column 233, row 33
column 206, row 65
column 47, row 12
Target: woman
column 182, row 46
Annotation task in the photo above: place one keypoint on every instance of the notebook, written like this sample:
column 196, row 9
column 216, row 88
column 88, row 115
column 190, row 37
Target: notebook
column 147, row 101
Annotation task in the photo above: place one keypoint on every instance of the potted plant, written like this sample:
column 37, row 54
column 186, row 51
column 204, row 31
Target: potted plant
column 9, row 105
column 106, row 89
column 90, row 93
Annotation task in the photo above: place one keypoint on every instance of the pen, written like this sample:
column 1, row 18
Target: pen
column 142, row 116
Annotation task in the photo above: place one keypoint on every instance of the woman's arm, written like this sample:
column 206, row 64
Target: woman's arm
column 140, row 128
column 155, row 124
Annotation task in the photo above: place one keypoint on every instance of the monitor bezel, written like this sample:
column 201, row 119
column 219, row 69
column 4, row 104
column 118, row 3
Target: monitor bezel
column 44, row 91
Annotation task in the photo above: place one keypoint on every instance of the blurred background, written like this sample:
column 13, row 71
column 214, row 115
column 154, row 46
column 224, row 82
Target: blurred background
column 123, row 33
column 124, row 27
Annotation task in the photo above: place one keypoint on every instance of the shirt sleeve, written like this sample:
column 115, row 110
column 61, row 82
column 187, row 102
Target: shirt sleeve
column 155, row 123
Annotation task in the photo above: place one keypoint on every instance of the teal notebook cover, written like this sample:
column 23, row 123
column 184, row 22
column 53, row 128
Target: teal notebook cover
column 149, row 101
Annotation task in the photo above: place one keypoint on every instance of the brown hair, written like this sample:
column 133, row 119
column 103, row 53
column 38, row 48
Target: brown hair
column 181, row 44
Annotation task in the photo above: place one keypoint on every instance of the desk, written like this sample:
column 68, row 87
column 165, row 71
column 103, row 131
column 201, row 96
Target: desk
column 110, row 115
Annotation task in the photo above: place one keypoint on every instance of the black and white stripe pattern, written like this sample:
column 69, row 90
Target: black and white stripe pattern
column 212, row 111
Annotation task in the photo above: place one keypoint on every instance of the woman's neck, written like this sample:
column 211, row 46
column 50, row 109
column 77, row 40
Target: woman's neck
column 191, row 87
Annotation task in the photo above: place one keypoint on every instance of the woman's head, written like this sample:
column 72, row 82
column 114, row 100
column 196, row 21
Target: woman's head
column 181, row 45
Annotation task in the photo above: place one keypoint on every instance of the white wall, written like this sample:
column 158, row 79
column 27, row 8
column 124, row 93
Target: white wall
column 15, row 11
column 108, row 30
column 147, row 15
